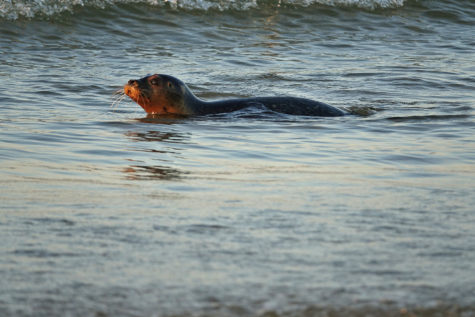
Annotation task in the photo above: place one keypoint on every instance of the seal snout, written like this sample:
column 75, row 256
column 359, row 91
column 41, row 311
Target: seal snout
column 132, row 89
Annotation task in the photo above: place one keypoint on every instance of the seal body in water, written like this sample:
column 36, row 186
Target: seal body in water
column 164, row 94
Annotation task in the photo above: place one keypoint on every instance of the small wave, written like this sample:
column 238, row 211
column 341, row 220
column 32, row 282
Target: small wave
column 15, row 9
column 429, row 117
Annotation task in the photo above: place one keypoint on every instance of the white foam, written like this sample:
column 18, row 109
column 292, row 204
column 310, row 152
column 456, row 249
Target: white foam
column 12, row 10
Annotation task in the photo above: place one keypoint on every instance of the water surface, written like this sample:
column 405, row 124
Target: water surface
column 105, row 212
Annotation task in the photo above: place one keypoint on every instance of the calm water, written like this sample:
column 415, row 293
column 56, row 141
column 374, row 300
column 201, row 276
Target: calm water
column 104, row 212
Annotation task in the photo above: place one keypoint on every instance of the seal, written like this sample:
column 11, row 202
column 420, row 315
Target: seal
column 160, row 94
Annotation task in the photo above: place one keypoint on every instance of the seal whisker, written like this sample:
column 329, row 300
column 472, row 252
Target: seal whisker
column 118, row 99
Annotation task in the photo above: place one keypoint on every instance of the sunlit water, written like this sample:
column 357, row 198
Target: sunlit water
column 105, row 212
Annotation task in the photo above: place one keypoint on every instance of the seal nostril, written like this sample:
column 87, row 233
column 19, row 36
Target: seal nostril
column 131, row 82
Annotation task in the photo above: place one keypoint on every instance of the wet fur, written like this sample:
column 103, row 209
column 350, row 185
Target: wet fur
column 163, row 94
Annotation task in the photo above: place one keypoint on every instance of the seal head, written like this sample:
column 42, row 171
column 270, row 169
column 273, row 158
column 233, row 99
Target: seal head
column 159, row 94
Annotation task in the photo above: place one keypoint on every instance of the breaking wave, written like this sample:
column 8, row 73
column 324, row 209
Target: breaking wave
column 15, row 9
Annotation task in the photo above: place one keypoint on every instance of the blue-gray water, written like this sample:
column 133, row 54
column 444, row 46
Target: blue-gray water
column 104, row 212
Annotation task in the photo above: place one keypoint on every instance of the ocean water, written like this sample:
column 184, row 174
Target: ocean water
column 107, row 212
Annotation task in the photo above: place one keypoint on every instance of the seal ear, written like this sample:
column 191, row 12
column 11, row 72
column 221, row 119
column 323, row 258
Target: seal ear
column 169, row 84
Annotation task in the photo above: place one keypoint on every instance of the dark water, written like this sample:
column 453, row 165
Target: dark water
column 104, row 212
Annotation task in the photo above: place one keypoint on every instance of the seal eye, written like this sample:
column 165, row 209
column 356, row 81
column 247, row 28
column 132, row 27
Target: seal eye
column 170, row 85
column 154, row 82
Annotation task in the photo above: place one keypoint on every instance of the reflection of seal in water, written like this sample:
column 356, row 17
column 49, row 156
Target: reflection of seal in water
column 163, row 94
